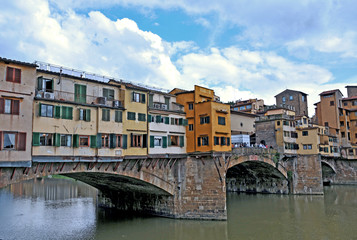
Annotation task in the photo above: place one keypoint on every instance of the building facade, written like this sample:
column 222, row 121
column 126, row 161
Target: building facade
column 16, row 98
column 249, row 106
column 167, row 124
column 293, row 100
column 209, row 127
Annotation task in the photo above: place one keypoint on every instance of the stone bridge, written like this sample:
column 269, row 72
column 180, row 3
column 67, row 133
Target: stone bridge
column 182, row 186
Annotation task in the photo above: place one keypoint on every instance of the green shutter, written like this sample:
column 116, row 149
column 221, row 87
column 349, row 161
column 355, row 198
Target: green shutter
column 125, row 141
column 99, row 140
column 39, row 109
column 151, row 100
column 158, row 119
column 167, row 120
column 39, row 83
column 172, row 121
column 143, row 98
column 149, row 118
column 76, row 92
column 36, row 139
column 112, row 140
column 118, row 116
column 185, row 122
column 57, row 138
column 70, row 113
column 164, row 142
column 182, row 141
column 167, row 102
column 132, row 96
column 83, row 94
column 52, row 85
column 57, row 112
column 87, row 115
column 93, row 141
column 169, row 140
column 75, row 140
column 152, row 141
column 180, row 121
column 105, row 92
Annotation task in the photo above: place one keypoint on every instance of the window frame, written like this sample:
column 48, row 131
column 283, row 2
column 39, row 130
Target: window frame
column 15, row 75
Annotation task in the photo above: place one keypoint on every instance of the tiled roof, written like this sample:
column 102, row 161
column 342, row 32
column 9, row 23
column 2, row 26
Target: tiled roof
column 6, row 60
column 330, row 91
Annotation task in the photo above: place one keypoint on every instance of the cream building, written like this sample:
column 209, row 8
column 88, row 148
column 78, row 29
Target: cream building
column 17, row 85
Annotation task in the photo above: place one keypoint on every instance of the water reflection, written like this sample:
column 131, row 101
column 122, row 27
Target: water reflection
column 66, row 209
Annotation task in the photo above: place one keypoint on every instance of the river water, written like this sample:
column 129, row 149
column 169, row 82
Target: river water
column 66, row 209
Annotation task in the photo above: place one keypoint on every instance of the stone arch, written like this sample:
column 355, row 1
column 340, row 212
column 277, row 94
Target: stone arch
column 327, row 164
column 328, row 172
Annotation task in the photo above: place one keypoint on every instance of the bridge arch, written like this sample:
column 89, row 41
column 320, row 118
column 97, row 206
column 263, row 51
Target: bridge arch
column 255, row 173
column 328, row 172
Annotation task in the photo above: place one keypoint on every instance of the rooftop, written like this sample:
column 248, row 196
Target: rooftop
column 6, row 60
column 290, row 90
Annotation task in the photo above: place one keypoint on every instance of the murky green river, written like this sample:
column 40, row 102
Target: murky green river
column 66, row 209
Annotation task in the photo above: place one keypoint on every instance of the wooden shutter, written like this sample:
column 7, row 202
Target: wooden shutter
column 180, row 121
column 9, row 74
column 2, row 105
column 167, row 102
column 172, row 121
column 39, row 109
column 182, row 141
column 228, row 141
column 152, row 141
column 158, row 119
column 99, row 140
column 17, row 75
column 143, row 98
column 149, row 118
column 83, row 93
column 151, row 100
column 131, row 140
column 76, row 92
column 75, row 140
column 112, row 140
column 125, row 141
column 21, row 142
column 70, row 113
column 105, row 93
column 164, row 142
column 15, row 107
column 87, row 115
column 57, row 138
column 167, row 120
column 199, row 141
column 93, row 141
column 185, row 122
column 169, row 140
column 145, row 140
column 57, row 112
column 39, row 83
column 36, row 139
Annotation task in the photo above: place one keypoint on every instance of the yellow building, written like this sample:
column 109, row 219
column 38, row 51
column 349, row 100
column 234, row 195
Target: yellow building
column 16, row 97
column 209, row 126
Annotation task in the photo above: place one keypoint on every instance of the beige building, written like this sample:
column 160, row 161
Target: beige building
column 167, row 124
column 249, row 106
column 77, row 116
column 16, row 97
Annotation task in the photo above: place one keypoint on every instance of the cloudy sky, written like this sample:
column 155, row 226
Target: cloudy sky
column 240, row 48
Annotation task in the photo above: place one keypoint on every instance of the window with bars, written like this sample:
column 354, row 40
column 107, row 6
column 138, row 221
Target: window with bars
column 13, row 75
column 9, row 106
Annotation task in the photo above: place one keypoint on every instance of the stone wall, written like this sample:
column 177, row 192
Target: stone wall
column 343, row 171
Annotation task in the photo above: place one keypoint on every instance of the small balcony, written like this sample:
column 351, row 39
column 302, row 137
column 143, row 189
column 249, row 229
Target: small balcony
column 81, row 99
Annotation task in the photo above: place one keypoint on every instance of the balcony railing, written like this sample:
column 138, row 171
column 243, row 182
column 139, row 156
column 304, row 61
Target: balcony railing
column 88, row 99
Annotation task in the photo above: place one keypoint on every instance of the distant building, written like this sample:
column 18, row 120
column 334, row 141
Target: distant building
column 16, row 97
column 294, row 100
column 249, row 106
column 351, row 91
column 209, row 121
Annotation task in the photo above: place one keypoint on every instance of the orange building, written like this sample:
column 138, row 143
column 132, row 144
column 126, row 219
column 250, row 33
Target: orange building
column 209, row 126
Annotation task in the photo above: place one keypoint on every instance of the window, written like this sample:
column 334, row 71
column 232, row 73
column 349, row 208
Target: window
column 291, row 97
column 66, row 140
column 106, row 115
column 332, row 103
column 13, row 75
column 105, row 140
column 136, row 140
column 303, row 98
column 167, row 103
column 278, row 123
column 44, row 84
column 46, row 139
column 118, row 116
column 131, row 116
column 249, row 107
column 84, row 114
column 204, row 120
column 203, row 141
column 138, row 97
column 13, row 141
column 328, row 96
column 305, row 133
column 343, row 134
column 190, row 127
column 46, row 110
column 216, row 140
column 221, row 120
column 119, row 142
column 80, row 93
column 223, row 141
column 108, row 93
column 286, row 134
column 354, row 103
column 283, row 99
column 173, row 140
column 305, row 121
column 9, row 106
column 142, row 117
column 190, row 106
column 241, row 108
column 342, row 123
column 326, row 124
column 157, row 141
column 84, row 141
column 345, row 103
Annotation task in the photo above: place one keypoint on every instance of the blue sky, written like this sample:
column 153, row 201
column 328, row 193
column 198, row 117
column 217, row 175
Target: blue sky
column 242, row 49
